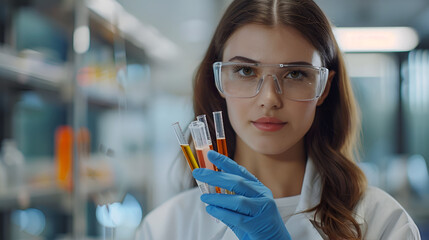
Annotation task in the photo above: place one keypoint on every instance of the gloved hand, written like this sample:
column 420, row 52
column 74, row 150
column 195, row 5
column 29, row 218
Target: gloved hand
column 251, row 213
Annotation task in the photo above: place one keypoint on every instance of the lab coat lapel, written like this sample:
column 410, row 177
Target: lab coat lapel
column 300, row 225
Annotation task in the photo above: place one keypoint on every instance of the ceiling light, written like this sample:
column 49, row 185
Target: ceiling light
column 376, row 39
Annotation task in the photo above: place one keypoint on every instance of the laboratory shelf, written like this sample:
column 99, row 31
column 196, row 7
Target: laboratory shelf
column 106, row 98
column 23, row 198
column 49, row 195
column 32, row 73
column 80, row 89
column 109, row 33
column 101, row 179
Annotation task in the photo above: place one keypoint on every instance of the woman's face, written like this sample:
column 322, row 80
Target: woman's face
column 269, row 123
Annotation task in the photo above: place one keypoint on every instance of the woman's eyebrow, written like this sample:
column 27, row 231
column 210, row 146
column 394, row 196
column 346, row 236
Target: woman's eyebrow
column 298, row 63
column 242, row 59
column 249, row 60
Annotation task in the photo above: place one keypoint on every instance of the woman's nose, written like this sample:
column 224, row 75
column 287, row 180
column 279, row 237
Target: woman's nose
column 270, row 94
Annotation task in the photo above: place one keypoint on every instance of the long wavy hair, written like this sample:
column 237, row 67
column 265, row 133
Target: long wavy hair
column 331, row 140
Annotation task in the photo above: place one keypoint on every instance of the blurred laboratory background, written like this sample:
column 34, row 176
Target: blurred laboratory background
column 89, row 90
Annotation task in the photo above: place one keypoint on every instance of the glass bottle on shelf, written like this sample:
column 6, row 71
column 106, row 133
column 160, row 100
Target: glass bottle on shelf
column 14, row 163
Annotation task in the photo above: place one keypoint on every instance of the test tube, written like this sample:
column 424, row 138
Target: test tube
column 201, row 144
column 202, row 118
column 185, row 146
column 220, row 133
column 204, row 187
column 220, row 137
column 201, row 147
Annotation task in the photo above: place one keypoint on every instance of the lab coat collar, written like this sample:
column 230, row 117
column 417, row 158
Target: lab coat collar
column 311, row 188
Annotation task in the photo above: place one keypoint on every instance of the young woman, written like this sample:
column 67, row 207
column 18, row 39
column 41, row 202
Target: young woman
column 275, row 70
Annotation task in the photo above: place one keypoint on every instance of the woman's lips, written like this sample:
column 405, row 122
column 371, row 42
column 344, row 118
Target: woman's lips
column 268, row 124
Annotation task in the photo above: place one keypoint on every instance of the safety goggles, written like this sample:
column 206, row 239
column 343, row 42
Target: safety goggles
column 245, row 80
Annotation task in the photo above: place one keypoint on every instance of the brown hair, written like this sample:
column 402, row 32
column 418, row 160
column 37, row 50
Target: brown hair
column 331, row 140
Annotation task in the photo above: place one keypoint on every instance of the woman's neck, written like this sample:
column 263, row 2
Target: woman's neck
column 283, row 174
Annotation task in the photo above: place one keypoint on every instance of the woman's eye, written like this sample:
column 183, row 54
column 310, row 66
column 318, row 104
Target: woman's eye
column 294, row 74
column 246, row 71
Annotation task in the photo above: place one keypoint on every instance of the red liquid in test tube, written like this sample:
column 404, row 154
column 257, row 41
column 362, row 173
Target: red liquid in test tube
column 202, row 118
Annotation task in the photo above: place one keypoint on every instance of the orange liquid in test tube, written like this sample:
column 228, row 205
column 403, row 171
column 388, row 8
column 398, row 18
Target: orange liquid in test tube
column 218, row 190
column 220, row 136
column 214, row 166
column 221, row 146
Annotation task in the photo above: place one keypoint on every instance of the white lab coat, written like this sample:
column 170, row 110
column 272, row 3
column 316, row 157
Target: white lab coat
column 184, row 217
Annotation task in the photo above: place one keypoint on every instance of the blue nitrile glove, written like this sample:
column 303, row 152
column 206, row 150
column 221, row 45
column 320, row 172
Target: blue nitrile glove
column 252, row 212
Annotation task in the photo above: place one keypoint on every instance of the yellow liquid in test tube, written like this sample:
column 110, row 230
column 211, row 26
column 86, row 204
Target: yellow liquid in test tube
column 189, row 156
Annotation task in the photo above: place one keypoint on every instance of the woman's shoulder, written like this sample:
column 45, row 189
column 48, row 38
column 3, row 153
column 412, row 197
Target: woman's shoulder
column 376, row 204
column 374, row 195
column 375, row 198
column 382, row 215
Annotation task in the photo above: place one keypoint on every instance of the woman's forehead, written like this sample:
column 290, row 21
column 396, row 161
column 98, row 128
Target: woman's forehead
column 270, row 44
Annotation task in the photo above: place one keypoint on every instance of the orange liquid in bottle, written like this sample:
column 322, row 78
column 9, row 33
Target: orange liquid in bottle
column 64, row 156
column 189, row 156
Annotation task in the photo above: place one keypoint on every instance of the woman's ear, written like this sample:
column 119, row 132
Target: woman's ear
column 327, row 88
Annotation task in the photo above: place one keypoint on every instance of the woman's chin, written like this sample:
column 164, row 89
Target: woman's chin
column 269, row 150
